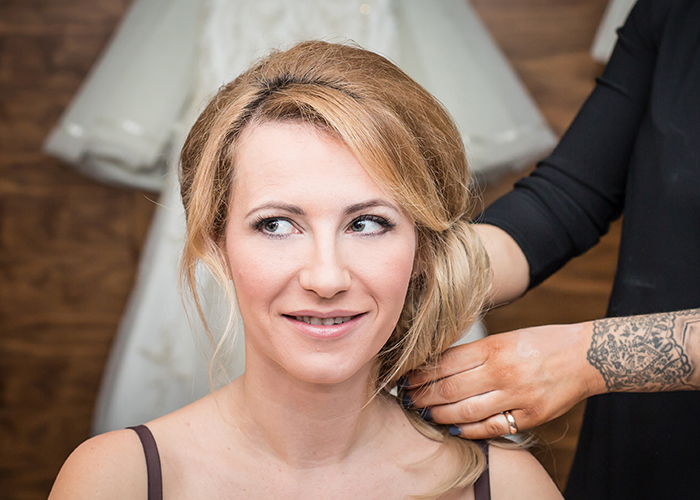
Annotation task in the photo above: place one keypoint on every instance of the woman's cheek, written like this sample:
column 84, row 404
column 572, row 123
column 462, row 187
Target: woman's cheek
column 260, row 269
column 389, row 269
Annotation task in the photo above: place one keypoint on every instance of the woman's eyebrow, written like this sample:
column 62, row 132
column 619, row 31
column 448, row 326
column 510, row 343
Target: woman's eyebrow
column 292, row 209
column 297, row 210
column 358, row 207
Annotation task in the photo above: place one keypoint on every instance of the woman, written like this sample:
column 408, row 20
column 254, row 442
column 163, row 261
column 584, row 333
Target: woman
column 146, row 92
column 329, row 191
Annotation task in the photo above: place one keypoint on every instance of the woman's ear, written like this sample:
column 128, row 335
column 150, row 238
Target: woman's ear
column 222, row 255
column 419, row 258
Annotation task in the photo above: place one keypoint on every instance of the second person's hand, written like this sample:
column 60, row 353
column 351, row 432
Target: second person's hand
column 534, row 374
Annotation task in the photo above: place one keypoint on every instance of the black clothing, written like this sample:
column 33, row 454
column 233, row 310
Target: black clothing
column 634, row 147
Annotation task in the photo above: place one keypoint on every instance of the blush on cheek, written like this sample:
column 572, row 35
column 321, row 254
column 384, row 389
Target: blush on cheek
column 398, row 267
column 393, row 277
column 258, row 274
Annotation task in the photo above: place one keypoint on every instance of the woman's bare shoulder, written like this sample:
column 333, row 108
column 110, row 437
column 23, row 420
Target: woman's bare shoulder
column 516, row 475
column 105, row 467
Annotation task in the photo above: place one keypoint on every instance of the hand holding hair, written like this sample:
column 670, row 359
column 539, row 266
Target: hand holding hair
column 537, row 374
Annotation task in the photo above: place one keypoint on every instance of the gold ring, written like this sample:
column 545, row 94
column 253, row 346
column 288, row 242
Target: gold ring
column 512, row 426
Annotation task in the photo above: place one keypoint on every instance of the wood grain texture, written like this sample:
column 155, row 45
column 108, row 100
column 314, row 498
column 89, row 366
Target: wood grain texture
column 69, row 246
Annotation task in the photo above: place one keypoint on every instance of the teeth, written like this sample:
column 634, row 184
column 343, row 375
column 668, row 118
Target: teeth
column 312, row 320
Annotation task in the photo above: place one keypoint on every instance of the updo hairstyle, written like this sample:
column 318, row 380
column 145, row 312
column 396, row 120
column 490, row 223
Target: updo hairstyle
column 407, row 143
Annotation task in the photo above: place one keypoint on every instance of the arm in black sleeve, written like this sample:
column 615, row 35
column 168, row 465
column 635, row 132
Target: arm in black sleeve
column 568, row 202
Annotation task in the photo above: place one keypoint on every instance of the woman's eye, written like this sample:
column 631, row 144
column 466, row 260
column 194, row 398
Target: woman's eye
column 277, row 227
column 369, row 225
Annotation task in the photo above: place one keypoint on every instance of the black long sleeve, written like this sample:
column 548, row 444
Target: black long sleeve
column 634, row 148
column 624, row 151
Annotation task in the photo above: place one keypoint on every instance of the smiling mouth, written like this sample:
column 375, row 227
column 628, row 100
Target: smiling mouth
column 312, row 320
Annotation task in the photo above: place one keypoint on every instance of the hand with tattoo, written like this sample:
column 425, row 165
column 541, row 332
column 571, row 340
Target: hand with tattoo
column 539, row 373
column 647, row 353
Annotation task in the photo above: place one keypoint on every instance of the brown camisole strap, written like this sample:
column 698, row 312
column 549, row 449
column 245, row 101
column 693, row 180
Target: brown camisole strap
column 482, row 486
column 153, row 470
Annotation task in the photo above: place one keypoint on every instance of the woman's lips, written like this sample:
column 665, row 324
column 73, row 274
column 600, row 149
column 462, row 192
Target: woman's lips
column 326, row 327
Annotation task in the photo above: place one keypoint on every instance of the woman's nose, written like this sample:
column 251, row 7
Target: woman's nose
column 326, row 272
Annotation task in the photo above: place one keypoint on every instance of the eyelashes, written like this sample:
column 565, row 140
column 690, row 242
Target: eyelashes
column 281, row 227
column 363, row 221
column 274, row 227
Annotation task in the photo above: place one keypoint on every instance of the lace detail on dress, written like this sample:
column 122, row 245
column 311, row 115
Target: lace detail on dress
column 239, row 31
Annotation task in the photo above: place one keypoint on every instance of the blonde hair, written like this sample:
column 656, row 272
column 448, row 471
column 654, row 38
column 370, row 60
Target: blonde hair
column 408, row 144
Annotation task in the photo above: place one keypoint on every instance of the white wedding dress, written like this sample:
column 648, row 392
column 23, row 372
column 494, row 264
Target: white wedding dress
column 129, row 120
column 606, row 35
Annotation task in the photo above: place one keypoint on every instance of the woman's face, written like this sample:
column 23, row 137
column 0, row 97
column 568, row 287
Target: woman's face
column 319, row 254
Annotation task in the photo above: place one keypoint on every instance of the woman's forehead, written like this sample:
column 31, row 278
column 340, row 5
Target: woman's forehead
column 299, row 160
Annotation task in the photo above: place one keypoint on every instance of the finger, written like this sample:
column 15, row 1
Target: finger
column 453, row 361
column 491, row 427
column 470, row 410
column 453, row 389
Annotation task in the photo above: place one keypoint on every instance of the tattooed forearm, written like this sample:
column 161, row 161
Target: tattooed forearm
column 658, row 352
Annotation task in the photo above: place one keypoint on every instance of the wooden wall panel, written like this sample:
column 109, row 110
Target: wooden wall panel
column 68, row 245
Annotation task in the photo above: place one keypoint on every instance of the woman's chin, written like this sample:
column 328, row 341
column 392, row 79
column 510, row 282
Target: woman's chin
column 330, row 372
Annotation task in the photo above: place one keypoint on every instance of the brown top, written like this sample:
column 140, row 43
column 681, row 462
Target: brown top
column 482, row 488
column 153, row 470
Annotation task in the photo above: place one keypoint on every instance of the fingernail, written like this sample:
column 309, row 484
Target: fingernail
column 426, row 415
column 406, row 401
column 454, row 430
column 402, row 383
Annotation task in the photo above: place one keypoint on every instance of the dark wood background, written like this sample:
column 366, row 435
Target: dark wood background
column 69, row 246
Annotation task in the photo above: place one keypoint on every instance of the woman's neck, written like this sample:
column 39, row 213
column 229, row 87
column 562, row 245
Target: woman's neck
column 307, row 424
